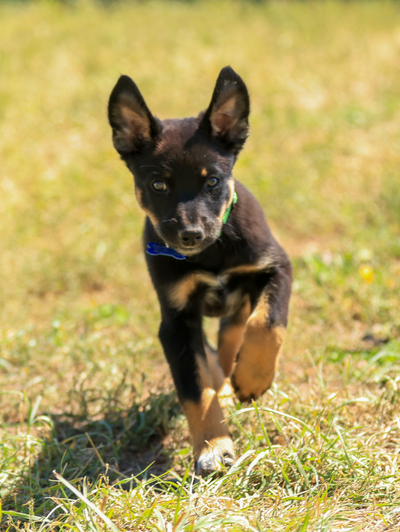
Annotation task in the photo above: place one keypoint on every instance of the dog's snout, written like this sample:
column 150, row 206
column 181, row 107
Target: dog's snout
column 191, row 236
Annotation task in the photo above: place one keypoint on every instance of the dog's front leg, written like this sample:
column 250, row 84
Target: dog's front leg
column 265, row 331
column 182, row 340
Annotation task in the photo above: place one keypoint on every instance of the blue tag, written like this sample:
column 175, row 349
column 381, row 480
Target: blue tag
column 159, row 249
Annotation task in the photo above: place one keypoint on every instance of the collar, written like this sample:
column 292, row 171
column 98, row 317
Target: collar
column 229, row 209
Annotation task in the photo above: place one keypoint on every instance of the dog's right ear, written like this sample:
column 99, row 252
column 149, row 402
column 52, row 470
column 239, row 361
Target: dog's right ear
column 227, row 117
column 133, row 125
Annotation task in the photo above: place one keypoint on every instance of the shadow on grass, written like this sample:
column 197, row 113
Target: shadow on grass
column 128, row 441
column 118, row 445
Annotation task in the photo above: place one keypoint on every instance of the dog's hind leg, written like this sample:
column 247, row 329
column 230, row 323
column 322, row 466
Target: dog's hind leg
column 217, row 374
column 221, row 384
column 231, row 335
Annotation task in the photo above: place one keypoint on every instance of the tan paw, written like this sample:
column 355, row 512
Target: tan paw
column 257, row 361
column 251, row 382
column 215, row 456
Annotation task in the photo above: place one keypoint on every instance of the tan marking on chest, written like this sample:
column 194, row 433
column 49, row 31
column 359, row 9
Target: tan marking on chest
column 182, row 290
column 232, row 302
column 265, row 262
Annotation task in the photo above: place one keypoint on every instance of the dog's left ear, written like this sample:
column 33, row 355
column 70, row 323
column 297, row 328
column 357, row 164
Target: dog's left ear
column 133, row 125
column 227, row 117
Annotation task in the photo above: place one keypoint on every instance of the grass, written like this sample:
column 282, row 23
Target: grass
column 91, row 434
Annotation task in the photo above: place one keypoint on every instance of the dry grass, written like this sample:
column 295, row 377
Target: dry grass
column 85, row 388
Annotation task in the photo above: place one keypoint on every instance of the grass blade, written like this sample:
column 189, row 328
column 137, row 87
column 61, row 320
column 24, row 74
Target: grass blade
column 102, row 516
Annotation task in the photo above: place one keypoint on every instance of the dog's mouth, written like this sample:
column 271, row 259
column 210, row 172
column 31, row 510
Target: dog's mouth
column 189, row 251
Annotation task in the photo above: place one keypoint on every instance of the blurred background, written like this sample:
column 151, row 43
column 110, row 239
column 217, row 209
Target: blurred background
column 323, row 159
column 78, row 315
column 322, row 156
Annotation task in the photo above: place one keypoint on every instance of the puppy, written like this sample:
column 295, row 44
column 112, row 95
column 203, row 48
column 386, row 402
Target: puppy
column 209, row 252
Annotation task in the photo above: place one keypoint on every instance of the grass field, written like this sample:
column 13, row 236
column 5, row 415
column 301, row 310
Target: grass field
column 84, row 388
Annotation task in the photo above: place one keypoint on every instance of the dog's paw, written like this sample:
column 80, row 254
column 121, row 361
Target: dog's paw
column 217, row 455
column 212, row 462
column 248, row 384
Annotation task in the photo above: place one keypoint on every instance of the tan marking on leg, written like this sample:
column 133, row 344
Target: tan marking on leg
column 231, row 337
column 221, row 384
column 216, row 372
column 231, row 185
column 209, row 432
column 206, row 380
column 258, row 357
column 231, row 340
column 181, row 291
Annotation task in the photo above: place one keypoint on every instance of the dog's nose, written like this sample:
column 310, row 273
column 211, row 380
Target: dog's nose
column 191, row 236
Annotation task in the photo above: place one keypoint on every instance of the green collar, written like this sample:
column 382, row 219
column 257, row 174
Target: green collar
column 228, row 210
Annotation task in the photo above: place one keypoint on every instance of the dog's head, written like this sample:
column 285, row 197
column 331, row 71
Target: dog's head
column 182, row 168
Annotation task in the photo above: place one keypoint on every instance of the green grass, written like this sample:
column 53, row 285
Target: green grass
column 84, row 388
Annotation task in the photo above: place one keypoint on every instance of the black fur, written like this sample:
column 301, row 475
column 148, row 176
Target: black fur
column 193, row 159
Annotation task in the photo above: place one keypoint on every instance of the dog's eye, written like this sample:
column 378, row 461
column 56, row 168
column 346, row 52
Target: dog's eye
column 160, row 186
column 212, row 182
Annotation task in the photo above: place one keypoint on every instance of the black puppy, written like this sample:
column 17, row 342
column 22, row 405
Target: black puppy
column 210, row 252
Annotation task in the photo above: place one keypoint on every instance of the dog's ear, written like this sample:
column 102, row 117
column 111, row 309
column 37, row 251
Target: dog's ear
column 132, row 123
column 227, row 117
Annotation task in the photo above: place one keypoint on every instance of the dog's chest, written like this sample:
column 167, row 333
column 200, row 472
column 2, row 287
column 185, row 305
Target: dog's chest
column 219, row 295
column 215, row 293
column 221, row 300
